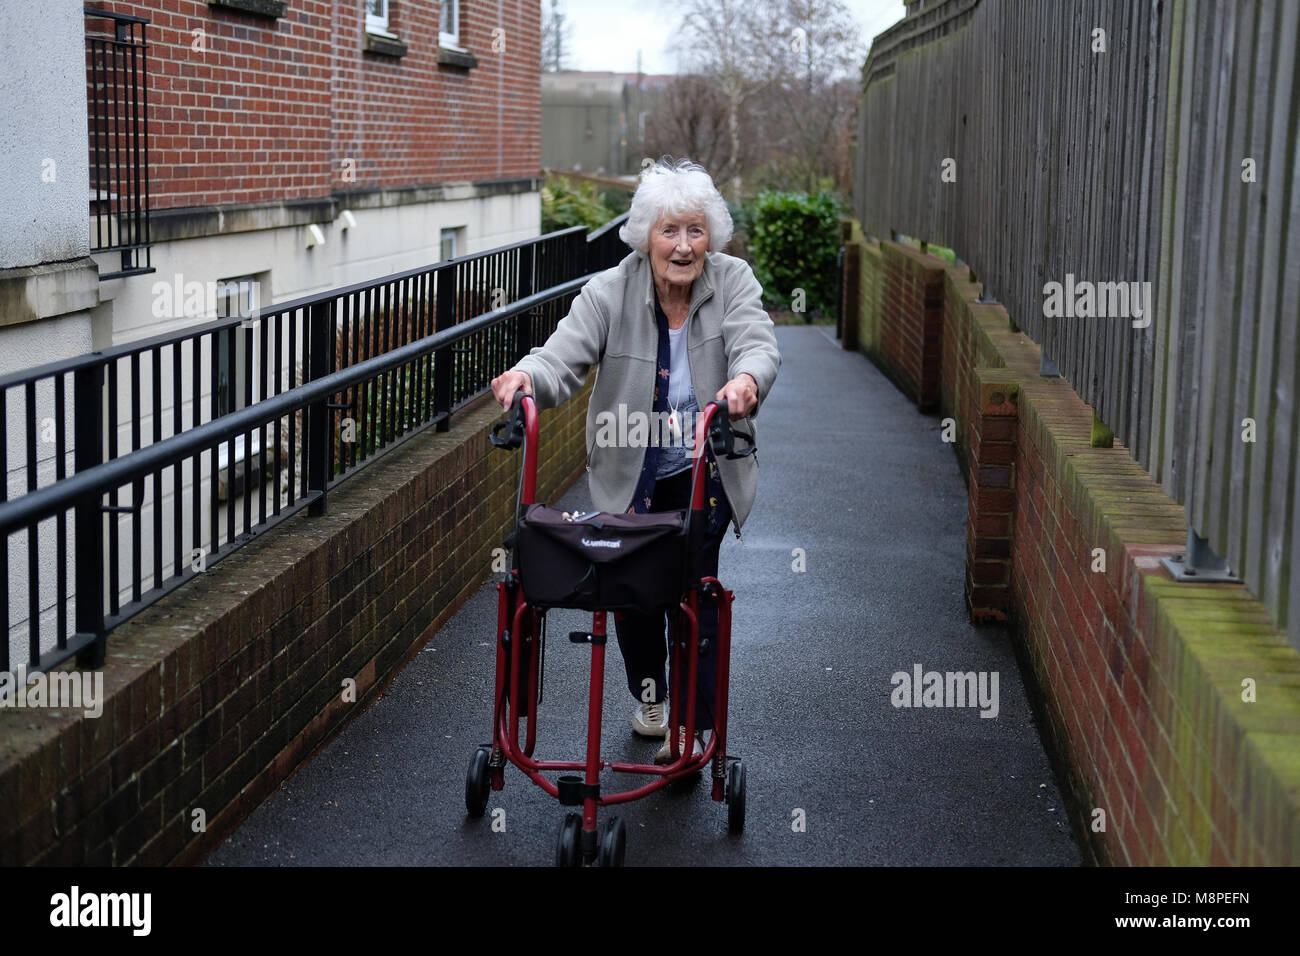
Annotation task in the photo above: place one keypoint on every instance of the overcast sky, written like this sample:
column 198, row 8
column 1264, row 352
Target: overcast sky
column 608, row 33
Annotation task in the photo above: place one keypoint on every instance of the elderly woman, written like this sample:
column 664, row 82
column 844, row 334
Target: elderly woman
column 673, row 325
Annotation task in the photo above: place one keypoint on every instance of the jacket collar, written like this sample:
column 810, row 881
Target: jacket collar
column 701, row 289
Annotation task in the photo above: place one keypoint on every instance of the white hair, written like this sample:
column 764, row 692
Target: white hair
column 676, row 188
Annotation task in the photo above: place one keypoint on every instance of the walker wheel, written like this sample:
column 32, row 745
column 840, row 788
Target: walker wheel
column 478, row 782
column 568, row 847
column 614, row 843
column 736, row 798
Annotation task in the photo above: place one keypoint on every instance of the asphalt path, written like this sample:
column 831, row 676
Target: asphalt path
column 856, row 477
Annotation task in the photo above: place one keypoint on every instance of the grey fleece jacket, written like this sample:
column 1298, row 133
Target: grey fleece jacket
column 612, row 324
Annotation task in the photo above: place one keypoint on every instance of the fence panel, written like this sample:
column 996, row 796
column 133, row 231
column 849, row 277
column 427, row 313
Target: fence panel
column 1141, row 156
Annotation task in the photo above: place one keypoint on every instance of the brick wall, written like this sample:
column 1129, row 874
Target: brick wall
column 911, row 313
column 870, row 282
column 991, row 502
column 219, row 691
column 269, row 110
column 1139, row 678
column 967, row 334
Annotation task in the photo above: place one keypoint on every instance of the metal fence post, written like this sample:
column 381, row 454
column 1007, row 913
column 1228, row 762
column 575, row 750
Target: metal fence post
column 88, row 515
column 841, row 292
column 577, row 255
column 446, row 318
column 525, row 321
column 318, row 444
column 851, row 296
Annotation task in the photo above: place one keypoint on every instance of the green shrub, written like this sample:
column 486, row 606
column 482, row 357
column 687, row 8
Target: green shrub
column 617, row 201
column 795, row 239
column 564, row 206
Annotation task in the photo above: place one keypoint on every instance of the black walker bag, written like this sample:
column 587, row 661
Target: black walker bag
column 602, row 561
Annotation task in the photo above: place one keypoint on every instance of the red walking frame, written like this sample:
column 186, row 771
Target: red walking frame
column 518, row 660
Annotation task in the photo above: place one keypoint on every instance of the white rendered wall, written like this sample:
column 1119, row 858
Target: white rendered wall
column 44, row 164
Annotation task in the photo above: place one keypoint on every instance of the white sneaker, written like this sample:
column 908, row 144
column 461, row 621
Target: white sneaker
column 665, row 752
column 651, row 720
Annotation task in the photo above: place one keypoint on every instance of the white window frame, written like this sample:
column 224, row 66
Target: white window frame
column 237, row 297
column 377, row 24
column 240, row 296
column 450, row 40
column 456, row 235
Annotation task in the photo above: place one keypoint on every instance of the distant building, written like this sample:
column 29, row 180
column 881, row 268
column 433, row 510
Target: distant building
column 594, row 122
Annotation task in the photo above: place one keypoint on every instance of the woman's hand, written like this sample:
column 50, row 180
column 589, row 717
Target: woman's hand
column 740, row 396
column 506, row 384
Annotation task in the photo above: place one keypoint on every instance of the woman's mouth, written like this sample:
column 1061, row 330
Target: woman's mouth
column 684, row 263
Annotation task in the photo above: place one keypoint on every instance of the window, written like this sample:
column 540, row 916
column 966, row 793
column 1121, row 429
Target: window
column 449, row 27
column 236, row 380
column 450, row 51
column 238, row 297
column 379, row 37
column 234, row 297
column 377, row 18
column 117, row 80
column 452, row 239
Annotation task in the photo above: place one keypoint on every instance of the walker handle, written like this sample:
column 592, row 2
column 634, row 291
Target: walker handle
column 722, row 436
column 521, row 429
column 514, row 437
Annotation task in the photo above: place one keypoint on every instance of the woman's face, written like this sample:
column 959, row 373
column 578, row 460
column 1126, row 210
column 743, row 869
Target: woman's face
column 678, row 245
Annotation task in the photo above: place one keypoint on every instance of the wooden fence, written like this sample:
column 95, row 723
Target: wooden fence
column 1100, row 142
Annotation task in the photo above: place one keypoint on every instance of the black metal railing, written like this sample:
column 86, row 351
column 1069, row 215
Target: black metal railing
column 117, row 99
column 328, row 382
column 604, row 244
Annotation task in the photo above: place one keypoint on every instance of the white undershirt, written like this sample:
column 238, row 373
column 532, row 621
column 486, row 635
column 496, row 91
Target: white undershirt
column 679, row 382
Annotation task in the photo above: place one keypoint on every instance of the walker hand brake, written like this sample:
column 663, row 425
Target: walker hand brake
column 515, row 424
column 722, row 436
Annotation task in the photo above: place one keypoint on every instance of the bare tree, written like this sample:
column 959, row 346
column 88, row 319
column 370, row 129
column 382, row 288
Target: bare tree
column 721, row 40
column 557, row 38
column 690, row 120
column 815, row 50
column 784, row 69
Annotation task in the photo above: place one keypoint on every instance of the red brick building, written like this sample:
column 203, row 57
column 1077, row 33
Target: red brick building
column 284, row 147
column 251, row 108
column 405, row 131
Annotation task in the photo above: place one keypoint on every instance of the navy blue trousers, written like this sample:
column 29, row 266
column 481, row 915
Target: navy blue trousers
column 641, row 636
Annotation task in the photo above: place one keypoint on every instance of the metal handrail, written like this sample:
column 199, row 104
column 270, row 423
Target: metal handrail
column 48, row 501
column 118, row 129
column 140, row 346
column 109, row 14
column 402, row 387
